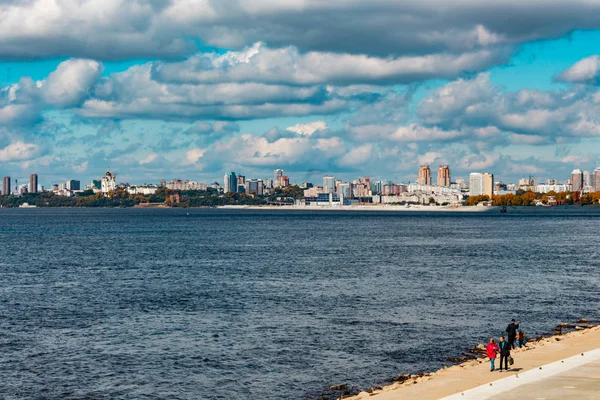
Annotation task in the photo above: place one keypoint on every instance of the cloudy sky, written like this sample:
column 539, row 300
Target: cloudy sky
column 192, row 88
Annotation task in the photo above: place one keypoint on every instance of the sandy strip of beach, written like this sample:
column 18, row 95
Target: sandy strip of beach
column 471, row 374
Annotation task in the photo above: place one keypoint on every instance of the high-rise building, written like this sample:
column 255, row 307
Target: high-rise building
column 255, row 187
column 587, row 180
column 277, row 178
column 577, row 180
column 328, row 184
column 597, row 180
column 73, row 185
column 488, row 184
column 424, row 175
column 6, row 186
column 230, row 182
column 285, row 181
column 443, row 178
column 481, row 184
column 345, row 189
column 33, row 183
column 241, row 183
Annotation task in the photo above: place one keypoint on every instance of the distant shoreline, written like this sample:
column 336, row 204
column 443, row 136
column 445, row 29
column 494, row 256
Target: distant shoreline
column 387, row 208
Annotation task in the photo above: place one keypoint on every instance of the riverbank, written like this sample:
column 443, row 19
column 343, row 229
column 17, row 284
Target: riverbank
column 374, row 207
column 456, row 379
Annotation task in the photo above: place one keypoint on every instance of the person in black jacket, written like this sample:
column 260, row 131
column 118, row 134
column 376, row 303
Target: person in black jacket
column 504, row 353
column 511, row 330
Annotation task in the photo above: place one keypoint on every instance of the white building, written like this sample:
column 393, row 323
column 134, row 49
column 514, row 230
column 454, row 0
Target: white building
column 481, row 184
column 551, row 188
column 109, row 182
column 453, row 199
column 178, row 184
column 230, row 182
column 329, row 184
column 142, row 189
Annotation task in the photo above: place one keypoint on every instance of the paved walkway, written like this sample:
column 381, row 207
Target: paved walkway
column 577, row 377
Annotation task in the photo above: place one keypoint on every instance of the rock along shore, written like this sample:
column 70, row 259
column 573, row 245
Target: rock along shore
column 472, row 368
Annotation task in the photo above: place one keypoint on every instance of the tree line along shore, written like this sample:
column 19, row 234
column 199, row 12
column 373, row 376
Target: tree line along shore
column 165, row 197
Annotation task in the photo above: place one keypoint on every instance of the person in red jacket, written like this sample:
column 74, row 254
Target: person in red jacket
column 491, row 350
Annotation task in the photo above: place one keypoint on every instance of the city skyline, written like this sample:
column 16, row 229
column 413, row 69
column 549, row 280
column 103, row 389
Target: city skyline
column 478, row 183
column 190, row 102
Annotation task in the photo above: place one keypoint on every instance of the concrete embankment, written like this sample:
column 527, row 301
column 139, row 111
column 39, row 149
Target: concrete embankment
column 542, row 364
column 388, row 208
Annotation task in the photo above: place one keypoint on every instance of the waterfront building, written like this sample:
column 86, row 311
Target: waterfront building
column 443, row 178
column 241, row 183
column 329, row 184
column 73, row 185
column 143, row 189
column 313, row 191
column 577, row 180
column 229, row 182
column 33, row 183
column 277, row 178
column 284, row 181
column 424, row 175
column 109, row 182
column 481, row 184
column 344, row 189
column 551, row 188
column 96, row 183
column 454, row 199
column 393, row 190
column 588, row 182
column 551, row 182
column 597, row 180
column 178, row 184
column 362, row 188
column 524, row 182
column 587, row 179
column 255, row 187
column 499, row 187
column 324, row 200
column 6, row 185
column 268, row 183
column 460, row 184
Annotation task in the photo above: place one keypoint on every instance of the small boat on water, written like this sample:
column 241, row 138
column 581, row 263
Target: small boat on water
column 503, row 209
column 27, row 205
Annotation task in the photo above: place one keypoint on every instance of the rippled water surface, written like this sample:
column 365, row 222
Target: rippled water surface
column 215, row 304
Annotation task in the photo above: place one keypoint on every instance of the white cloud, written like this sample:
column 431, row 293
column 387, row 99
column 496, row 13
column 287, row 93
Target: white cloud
column 193, row 155
column 287, row 65
column 586, row 70
column 478, row 161
column 357, row 156
column 150, row 158
column 308, row 128
column 418, row 133
column 17, row 151
column 118, row 29
column 476, row 103
column 81, row 167
column 70, row 83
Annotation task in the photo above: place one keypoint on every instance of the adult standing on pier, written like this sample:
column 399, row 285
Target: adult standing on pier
column 492, row 352
column 511, row 331
column 504, row 353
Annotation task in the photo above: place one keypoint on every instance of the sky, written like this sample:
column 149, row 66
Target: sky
column 190, row 89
